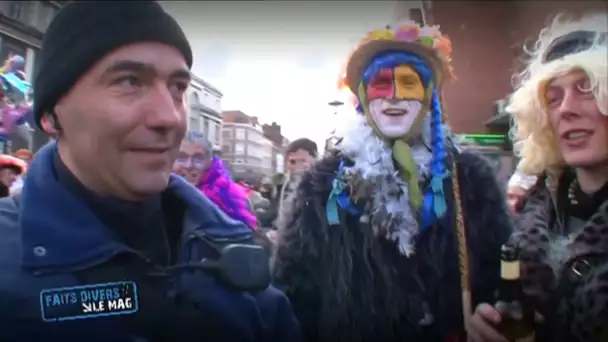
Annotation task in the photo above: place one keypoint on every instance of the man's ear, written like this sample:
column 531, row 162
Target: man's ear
column 49, row 124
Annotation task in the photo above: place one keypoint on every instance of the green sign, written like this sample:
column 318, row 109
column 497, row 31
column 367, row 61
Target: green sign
column 483, row 139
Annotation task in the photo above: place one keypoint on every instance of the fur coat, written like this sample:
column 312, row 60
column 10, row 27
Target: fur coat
column 347, row 284
column 566, row 276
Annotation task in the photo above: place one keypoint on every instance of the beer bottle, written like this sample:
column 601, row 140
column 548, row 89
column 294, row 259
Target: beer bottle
column 517, row 323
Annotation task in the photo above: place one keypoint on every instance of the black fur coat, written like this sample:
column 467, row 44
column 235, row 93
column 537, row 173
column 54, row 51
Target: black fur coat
column 345, row 284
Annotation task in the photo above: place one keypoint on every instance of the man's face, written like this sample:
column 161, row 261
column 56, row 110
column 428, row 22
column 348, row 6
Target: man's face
column 580, row 129
column 395, row 99
column 515, row 195
column 8, row 176
column 123, row 121
column 191, row 162
column 298, row 161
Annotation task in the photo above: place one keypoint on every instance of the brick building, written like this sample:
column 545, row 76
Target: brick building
column 244, row 147
column 273, row 133
column 488, row 39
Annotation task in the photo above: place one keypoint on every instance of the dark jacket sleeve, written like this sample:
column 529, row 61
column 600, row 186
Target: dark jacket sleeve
column 487, row 219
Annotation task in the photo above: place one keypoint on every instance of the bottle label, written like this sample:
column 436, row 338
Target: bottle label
column 509, row 270
column 529, row 338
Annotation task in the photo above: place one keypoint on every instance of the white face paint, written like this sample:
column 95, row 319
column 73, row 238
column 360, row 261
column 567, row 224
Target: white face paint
column 394, row 119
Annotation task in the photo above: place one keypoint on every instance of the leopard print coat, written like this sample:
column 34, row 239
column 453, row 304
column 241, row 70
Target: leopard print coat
column 547, row 259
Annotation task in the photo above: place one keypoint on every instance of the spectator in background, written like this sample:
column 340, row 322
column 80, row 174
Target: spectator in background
column 25, row 155
column 518, row 185
column 299, row 156
column 197, row 164
column 10, row 170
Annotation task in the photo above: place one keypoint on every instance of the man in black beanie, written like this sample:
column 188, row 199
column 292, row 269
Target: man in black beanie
column 104, row 244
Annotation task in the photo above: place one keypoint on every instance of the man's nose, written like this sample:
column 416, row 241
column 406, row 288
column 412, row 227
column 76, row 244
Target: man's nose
column 569, row 106
column 163, row 111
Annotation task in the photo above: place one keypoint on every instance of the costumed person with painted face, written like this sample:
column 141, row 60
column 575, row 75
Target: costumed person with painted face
column 560, row 113
column 387, row 238
column 197, row 164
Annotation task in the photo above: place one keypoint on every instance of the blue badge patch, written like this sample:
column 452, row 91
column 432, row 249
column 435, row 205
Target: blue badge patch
column 88, row 301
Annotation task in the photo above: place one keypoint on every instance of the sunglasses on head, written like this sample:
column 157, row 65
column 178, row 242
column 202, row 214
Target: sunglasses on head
column 573, row 42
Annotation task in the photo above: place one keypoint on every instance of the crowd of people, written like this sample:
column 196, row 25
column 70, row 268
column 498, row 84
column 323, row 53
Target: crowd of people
column 395, row 234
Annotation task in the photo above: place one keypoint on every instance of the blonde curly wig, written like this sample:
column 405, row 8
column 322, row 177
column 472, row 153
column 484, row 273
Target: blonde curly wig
column 534, row 141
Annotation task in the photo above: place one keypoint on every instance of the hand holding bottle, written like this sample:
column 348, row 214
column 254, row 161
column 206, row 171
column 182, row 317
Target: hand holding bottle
column 483, row 325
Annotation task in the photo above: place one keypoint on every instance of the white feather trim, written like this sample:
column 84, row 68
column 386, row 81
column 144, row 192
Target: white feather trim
column 373, row 161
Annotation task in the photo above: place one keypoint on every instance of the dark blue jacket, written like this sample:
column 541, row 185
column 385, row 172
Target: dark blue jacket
column 49, row 234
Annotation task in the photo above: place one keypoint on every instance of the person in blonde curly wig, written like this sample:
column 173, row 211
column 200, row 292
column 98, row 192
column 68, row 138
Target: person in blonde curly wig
column 560, row 113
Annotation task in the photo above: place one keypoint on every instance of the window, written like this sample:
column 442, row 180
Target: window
column 16, row 10
column 417, row 16
column 218, row 128
column 194, row 98
column 46, row 12
column 239, row 148
column 12, row 47
column 206, row 127
column 226, row 134
column 194, row 123
column 226, row 149
column 240, row 134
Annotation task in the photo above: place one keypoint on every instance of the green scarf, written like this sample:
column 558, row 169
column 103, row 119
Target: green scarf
column 402, row 153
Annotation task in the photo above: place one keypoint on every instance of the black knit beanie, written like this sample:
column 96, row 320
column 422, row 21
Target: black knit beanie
column 83, row 32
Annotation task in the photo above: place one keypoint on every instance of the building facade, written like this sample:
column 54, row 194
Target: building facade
column 273, row 133
column 22, row 25
column 205, row 110
column 245, row 148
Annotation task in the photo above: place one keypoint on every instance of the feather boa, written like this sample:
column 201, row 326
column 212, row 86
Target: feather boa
column 390, row 214
column 225, row 193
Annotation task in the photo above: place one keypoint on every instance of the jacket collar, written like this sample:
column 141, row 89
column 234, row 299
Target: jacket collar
column 59, row 230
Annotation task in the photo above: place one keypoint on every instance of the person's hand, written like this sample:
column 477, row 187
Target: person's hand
column 272, row 236
column 482, row 326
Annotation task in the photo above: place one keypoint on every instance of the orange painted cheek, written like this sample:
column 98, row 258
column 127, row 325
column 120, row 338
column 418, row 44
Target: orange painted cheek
column 408, row 85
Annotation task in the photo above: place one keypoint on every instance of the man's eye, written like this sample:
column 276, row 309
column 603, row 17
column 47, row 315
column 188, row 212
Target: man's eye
column 178, row 89
column 128, row 80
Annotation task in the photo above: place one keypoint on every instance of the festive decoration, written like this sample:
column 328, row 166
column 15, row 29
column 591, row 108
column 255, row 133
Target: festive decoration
column 14, row 92
column 428, row 42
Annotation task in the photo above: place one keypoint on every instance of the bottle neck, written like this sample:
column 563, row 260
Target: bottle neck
column 510, row 270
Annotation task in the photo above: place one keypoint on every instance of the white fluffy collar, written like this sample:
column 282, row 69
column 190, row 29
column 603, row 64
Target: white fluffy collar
column 391, row 214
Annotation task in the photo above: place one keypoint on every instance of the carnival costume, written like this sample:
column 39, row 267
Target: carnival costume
column 15, row 90
column 230, row 197
column 373, row 243
column 564, row 243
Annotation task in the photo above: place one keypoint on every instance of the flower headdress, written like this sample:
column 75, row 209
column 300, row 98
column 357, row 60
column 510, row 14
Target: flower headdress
column 426, row 42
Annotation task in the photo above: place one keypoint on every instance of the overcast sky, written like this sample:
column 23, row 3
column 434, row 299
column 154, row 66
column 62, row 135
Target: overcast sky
column 278, row 60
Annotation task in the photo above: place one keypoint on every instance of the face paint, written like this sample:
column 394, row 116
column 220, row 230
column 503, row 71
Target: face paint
column 395, row 100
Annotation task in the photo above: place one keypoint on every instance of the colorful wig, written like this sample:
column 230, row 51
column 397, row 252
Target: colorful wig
column 534, row 140
column 229, row 196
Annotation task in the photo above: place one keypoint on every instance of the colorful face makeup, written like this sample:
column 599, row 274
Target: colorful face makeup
column 395, row 98
column 400, row 83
